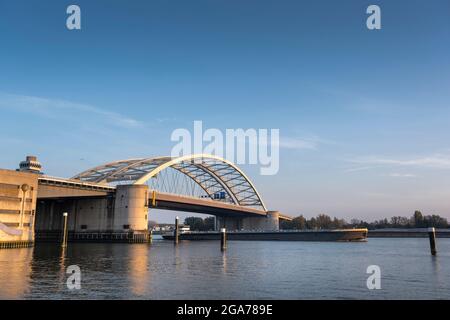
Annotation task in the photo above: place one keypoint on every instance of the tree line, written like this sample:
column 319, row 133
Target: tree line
column 199, row 224
column 323, row 221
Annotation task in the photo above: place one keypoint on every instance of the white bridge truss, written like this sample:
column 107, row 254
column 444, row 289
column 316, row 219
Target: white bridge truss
column 207, row 176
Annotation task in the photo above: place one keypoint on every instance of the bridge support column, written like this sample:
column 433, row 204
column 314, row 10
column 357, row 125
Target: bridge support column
column 273, row 220
column 131, row 208
column 229, row 223
column 267, row 223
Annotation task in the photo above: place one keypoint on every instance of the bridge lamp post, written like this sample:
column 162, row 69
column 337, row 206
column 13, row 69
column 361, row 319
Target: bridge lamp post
column 65, row 235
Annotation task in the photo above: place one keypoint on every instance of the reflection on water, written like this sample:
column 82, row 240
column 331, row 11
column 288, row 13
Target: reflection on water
column 138, row 273
column 246, row 270
column 17, row 272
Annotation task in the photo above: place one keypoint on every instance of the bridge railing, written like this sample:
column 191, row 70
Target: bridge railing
column 73, row 182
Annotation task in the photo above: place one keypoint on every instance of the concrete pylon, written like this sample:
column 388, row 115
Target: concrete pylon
column 131, row 208
column 270, row 222
column 273, row 221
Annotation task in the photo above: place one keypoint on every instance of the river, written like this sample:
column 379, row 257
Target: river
column 246, row 270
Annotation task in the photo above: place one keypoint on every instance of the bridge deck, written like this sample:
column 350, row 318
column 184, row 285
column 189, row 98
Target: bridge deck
column 208, row 206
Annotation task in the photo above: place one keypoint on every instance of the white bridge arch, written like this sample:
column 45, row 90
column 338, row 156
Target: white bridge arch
column 213, row 174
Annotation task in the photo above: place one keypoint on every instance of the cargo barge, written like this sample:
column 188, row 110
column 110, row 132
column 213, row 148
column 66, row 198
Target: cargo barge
column 285, row 235
column 407, row 233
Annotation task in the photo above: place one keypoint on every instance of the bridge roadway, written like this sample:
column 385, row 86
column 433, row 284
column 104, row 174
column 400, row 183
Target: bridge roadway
column 58, row 188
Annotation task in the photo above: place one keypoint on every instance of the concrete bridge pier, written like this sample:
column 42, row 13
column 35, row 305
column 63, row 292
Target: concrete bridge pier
column 229, row 223
column 270, row 222
column 273, row 222
column 131, row 208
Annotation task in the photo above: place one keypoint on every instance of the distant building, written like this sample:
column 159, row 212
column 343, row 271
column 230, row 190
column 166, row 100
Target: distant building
column 171, row 227
column 31, row 164
column 184, row 228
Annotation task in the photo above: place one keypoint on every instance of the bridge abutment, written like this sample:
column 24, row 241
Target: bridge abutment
column 17, row 208
column 120, row 217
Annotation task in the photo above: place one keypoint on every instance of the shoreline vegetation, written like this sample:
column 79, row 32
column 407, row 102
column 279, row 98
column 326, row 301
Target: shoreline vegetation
column 323, row 221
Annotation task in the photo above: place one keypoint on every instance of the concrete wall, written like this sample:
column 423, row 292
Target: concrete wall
column 88, row 214
column 17, row 207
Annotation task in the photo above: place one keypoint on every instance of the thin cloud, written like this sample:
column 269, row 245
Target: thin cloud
column 291, row 143
column 299, row 143
column 359, row 169
column 296, row 143
column 402, row 175
column 54, row 108
column 164, row 120
column 437, row 161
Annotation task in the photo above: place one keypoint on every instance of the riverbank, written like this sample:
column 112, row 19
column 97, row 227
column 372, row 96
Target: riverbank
column 407, row 233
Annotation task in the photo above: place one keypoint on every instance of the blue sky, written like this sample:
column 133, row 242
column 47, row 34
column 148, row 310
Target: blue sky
column 363, row 115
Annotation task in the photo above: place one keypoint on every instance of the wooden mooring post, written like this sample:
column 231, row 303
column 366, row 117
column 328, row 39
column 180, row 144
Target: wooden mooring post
column 176, row 231
column 223, row 239
column 432, row 236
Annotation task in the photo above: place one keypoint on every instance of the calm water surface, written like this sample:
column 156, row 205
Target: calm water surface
column 247, row 270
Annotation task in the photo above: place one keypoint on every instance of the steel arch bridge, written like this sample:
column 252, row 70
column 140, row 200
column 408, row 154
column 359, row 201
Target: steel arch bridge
column 212, row 174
